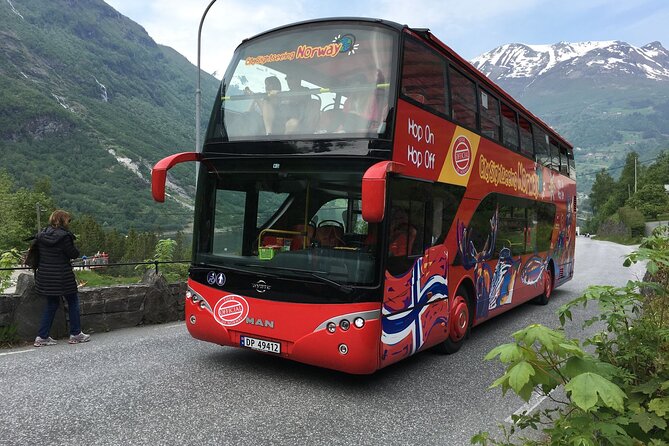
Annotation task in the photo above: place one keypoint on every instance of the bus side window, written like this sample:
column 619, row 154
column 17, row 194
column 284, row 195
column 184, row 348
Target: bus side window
column 409, row 229
column 542, row 152
column 511, row 225
column 509, row 127
column 445, row 203
column 531, row 230
column 490, row 126
column 463, row 91
column 564, row 164
column 526, row 143
column 555, row 155
column 424, row 76
column 545, row 222
column 572, row 165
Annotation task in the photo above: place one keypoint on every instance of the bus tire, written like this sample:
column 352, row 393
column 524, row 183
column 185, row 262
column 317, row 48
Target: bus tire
column 460, row 322
column 545, row 296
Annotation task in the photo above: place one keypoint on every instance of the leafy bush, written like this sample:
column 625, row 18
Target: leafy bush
column 165, row 252
column 8, row 336
column 619, row 395
column 634, row 220
column 8, row 259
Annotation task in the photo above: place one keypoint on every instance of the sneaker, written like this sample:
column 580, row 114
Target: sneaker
column 81, row 337
column 40, row 342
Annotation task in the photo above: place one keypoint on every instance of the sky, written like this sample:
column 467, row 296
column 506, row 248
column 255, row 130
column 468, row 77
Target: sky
column 469, row 27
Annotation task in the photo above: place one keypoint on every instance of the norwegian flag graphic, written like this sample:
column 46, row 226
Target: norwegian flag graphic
column 407, row 316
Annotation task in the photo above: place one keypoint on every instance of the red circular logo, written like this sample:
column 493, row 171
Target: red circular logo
column 231, row 310
column 462, row 155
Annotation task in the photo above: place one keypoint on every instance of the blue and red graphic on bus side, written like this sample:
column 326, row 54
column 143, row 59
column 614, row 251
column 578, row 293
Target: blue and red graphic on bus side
column 415, row 306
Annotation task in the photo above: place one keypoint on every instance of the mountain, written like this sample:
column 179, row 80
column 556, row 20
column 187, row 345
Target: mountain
column 608, row 98
column 91, row 102
column 598, row 60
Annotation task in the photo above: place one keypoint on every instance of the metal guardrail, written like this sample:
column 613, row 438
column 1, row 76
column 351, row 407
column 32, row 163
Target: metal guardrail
column 79, row 263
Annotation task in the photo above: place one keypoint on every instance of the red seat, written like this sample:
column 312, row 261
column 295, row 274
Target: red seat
column 302, row 241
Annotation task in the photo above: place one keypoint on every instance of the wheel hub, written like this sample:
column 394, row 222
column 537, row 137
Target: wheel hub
column 459, row 318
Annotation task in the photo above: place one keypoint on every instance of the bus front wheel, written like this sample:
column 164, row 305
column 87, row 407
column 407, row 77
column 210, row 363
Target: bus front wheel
column 460, row 323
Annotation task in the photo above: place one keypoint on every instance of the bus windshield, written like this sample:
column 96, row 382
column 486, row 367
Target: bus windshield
column 299, row 225
column 310, row 81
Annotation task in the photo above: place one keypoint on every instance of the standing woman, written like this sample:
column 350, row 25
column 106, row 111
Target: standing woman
column 55, row 278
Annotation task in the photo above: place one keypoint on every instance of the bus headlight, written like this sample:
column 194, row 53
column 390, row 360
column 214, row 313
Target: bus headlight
column 331, row 327
column 343, row 349
column 192, row 319
column 344, row 324
column 359, row 322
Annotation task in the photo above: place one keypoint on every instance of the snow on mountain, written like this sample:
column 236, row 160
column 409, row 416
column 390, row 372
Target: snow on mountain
column 571, row 60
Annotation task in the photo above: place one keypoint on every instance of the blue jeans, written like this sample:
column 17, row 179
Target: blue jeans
column 52, row 304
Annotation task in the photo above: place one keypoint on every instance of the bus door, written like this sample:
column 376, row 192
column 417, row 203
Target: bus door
column 415, row 289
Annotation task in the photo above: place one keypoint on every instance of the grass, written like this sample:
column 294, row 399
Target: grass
column 93, row 278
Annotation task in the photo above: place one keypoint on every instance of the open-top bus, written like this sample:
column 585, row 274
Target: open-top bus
column 364, row 193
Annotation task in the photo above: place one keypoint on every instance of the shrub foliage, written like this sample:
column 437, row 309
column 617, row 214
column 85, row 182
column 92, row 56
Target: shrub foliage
column 616, row 395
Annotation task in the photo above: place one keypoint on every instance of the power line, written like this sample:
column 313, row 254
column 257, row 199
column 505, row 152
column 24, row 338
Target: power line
column 614, row 168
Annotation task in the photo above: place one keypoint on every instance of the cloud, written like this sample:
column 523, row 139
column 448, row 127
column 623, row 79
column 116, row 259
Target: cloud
column 175, row 23
column 470, row 28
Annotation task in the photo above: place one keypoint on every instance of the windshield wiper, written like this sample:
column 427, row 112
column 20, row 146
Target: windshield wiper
column 345, row 288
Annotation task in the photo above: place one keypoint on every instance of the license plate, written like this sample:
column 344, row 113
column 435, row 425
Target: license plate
column 260, row 344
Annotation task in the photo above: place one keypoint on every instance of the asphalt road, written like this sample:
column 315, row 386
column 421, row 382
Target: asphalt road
column 157, row 385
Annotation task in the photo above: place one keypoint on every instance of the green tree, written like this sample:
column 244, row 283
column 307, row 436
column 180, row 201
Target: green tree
column 115, row 245
column 18, row 212
column 651, row 200
column 90, row 235
column 601, row 190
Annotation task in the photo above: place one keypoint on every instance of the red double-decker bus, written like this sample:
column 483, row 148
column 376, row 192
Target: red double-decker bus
column 364, row 193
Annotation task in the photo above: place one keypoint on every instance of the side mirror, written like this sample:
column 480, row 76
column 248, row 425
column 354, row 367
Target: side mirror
column 374, row 189
column 159, row 172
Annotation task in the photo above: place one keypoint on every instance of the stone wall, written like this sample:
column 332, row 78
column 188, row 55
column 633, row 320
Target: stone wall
column 652, row 225
column 152, row 301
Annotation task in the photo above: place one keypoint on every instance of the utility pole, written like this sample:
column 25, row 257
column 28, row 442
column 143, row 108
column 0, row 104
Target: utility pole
column 198, row 91
column 636, row 158
column 38, row 209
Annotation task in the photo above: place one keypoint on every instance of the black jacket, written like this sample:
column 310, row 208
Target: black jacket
column 54, row 275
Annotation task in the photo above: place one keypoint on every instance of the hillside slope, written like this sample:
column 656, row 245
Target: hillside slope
column 89, row 100
column 608, row 98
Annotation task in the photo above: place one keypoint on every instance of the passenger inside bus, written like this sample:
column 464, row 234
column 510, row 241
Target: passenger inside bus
column 296, row 104
column 269, row 105
column 360, row 107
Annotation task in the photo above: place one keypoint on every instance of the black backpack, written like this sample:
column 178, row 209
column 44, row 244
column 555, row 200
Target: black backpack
column 31, row 258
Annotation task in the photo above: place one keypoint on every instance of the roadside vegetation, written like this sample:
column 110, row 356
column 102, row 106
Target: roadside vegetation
column 18, row 218
column 622, row 207
column 616, row 395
